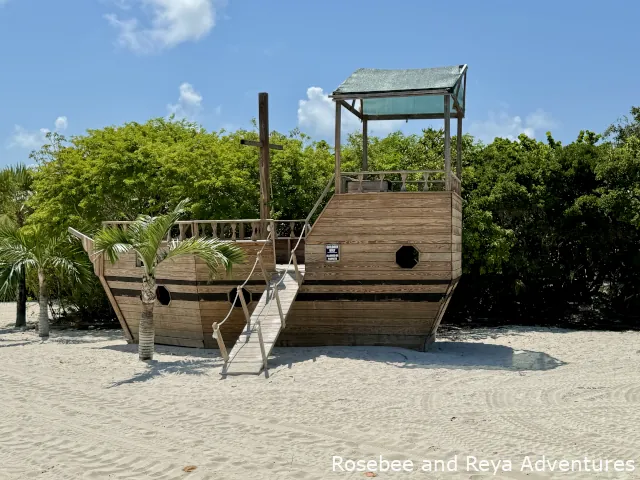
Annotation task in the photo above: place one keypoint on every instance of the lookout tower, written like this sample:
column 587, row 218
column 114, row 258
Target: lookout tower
column 384, row 256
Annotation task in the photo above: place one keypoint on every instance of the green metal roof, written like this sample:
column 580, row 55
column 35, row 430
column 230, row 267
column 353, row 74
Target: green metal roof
column 405, row 93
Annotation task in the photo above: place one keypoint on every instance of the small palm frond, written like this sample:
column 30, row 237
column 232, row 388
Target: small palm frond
column 16, row 256
column 16, row 247
column 215, row 253
column 9, row 277
column 112, row 242
column 147, row 233
column 62, row 254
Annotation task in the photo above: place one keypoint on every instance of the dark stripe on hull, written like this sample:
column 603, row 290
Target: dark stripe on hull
column 194, row 297
column 370, row 297
column 377, row 282
column 195, row 283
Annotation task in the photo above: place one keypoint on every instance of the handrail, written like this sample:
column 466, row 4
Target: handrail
column 216, row 326
column 319, row 201
column 437, row 180
column 389, row 172
column 292, row 260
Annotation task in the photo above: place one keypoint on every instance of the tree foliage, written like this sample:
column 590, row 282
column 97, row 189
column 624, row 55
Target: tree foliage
column 550, row 230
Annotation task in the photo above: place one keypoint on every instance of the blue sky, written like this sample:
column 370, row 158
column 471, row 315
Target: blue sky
column 533, row 66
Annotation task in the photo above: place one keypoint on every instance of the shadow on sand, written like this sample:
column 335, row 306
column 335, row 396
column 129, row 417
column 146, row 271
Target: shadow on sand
column 447, row 353
column 443, row 354
column 132, row 348
column 199, row 362
column 18, row 344
column 182, row 367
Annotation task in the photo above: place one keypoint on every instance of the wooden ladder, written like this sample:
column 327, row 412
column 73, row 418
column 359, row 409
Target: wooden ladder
column 251, row 351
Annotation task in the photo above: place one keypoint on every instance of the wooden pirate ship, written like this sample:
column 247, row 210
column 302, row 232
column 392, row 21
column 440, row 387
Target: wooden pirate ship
column 377, row 266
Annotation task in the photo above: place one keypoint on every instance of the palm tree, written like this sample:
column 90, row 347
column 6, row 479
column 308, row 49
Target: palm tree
column 15, row 189
column 23, row 250
column 145, row 237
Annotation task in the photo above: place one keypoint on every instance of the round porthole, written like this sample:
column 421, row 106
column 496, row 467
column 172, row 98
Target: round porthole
column 246, row 294
column 163, row 295
column 407, row 256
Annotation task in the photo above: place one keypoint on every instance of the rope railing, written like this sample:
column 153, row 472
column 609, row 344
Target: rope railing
column 216, row 325
column 257, row 327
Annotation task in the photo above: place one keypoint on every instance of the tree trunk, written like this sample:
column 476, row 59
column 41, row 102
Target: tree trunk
column 43, row 317
column 21, row 307
column 146, row 331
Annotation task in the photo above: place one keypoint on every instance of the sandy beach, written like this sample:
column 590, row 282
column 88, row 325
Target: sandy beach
column 81, row 405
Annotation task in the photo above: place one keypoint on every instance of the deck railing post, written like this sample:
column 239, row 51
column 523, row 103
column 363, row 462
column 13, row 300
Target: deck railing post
column 264, row 271
column 262, row 350
column 273, row 238
column 282, row 319
column 295, row 265
column 247, row 316
column 218, row 336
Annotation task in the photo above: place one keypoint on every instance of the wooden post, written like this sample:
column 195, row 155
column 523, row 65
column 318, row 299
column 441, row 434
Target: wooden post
column 264, row 271
column 337, row 147
column 277, row 295
column 218, row 336
column 459, row 148
column 365, row 145
column 295, row 265
column 247, row 316
column 262, row 350
column 263, row 118
column 447, row 143
column 273, row 239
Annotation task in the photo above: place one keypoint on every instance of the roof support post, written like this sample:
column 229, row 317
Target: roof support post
column 459, row 148
column 338, row 179
column 365, row 145
column 447, row 143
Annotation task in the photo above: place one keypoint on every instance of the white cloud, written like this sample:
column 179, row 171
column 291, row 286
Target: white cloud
column 189, row 103
column 162, row 24
column 540, row 120
column 23, row 138
column 317, row 114
column 61, row 123
column 503, row 125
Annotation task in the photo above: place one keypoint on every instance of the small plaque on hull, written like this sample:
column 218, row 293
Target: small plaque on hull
column 332, row 252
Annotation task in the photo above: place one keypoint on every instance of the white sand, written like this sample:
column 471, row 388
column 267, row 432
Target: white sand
column 82, row 406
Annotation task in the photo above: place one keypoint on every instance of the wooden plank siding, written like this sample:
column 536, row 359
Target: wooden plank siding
column 456, row 236
column 197, row 298
column 366, row 298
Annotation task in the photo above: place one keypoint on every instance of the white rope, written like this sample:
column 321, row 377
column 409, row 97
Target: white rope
column 255, row 264
column 304, row 229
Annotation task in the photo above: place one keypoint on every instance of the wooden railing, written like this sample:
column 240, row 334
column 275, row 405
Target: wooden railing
column 400, row 181
column 304, row 227
column 241, row 229
column 289, row 228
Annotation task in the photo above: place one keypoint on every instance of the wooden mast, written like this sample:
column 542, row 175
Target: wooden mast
column 265, row 160
column 265, row 182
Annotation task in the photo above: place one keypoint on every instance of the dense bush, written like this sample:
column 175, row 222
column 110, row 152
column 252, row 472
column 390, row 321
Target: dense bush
column 551, row 232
